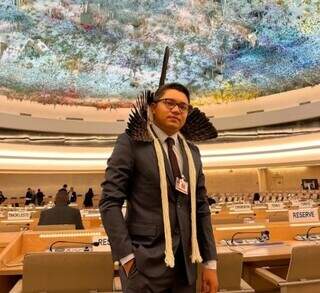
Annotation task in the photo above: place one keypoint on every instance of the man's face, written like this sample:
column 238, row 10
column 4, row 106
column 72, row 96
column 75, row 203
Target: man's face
column 170, row 119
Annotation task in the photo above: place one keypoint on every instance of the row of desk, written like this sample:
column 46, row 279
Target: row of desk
column 15, row 245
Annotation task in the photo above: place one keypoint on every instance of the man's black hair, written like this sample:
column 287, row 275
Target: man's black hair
column 61, row 197
column 171, row 86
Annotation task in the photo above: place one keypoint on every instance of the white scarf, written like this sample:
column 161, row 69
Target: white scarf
column 169, row 256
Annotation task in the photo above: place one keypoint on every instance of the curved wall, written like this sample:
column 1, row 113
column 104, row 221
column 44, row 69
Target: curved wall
column 294, row 150
column 229, row 167
column 281, row 108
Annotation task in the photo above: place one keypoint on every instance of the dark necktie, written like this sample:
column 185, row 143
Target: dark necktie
column 173, row 158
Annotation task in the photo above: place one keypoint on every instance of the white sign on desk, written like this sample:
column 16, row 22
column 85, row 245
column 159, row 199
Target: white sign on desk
column 258, row 206
column 304, row 215
column 295, row 202
column 104, row 244
column 19, row 215
column 305, row 204
column 275, row 205
column 241, row 207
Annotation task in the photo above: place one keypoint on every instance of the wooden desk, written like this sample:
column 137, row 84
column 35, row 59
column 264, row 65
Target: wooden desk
column 15, row 222
column 6, row 239
column 264, row 255
column 279, row 231
column 11, row 258
column 257, row 214
column 91, row 222
column 18, row 244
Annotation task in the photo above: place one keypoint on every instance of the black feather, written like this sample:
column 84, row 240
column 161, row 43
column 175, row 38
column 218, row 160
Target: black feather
column 137, row 124
column 198, row 127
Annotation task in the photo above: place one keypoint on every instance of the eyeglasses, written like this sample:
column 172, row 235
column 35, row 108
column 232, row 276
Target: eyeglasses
column 183, row 107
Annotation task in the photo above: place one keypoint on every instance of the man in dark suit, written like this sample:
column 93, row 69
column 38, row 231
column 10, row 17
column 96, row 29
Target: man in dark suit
column 159, row 241
column 256, row 197
column 29, row 197
column 61, row 213
column 39, row 197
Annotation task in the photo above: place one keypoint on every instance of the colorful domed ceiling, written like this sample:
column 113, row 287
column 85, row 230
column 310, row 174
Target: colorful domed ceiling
column 104, row 52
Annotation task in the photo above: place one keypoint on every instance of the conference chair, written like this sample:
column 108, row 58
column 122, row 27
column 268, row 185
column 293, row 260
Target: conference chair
column 54, row 227
column 229, row 270
column 75, row 272
column 21, row 200
column 303, row 274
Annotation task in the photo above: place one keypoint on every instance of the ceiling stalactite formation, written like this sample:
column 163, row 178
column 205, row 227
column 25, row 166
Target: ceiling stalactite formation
column 101, row 53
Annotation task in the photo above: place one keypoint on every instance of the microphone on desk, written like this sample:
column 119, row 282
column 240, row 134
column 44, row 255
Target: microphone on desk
column 264, row 235
column 308, row 231
column 95, row 243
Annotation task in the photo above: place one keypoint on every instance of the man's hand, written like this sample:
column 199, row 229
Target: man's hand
column 127, row 266
column 209, row 280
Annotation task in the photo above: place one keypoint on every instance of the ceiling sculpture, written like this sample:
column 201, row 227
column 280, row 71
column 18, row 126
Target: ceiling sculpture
column 103, row 52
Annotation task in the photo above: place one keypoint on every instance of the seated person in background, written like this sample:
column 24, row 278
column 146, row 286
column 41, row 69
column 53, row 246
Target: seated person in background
column 61, row 214
column 2, row 197
column 88, row 199
column 39, row 197
column 73, row 195
column 256, row 197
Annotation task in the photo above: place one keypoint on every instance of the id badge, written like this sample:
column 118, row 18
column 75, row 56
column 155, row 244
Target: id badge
column 182, row 185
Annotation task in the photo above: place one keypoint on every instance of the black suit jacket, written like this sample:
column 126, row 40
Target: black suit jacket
column 132, row 174
column 61, row 215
